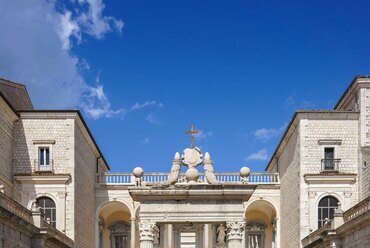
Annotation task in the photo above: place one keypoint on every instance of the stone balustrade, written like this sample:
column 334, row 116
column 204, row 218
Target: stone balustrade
column 357, row 210
column 255, row 178
column 15, row 208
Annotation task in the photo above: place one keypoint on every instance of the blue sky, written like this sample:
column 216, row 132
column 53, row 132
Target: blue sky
column 143, row 71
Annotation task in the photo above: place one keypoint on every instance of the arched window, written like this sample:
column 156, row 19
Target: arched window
column 326, row 209
column 48, row 209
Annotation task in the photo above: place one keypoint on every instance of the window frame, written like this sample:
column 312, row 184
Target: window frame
column 330, row 210
column 38, row 167
column 53, row 221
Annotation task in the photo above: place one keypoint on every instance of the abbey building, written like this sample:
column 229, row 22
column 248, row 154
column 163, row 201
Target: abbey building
column 56, row 189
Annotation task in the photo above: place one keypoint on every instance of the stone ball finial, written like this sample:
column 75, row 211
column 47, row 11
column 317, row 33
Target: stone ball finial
column 177, row 156
column 244, row 174
column 207, row 156
column 192, row 175
column 138, row 172
column 245, row 171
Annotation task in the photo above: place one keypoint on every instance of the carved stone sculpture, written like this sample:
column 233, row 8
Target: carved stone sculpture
column 147, row 234
column 221, row 234
column 192, row 157
column 208, row 169
column 235, row 234
column 175, row 170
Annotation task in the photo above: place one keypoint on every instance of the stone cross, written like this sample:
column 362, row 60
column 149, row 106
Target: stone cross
column 192, row 132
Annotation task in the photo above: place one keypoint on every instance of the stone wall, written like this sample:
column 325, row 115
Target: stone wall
column 13, row 236
column 85, row 168
column 358, row 237
column 341, row 134
column 58, row 134
column 317, row 132
column 365, row 173
column 29, row 133
column 289, row 162
column 6, row 145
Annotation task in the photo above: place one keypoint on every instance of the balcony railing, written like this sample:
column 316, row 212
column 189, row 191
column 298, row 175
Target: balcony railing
column 40, row 167
column 256, row 178
column 357, row 210
column 330, row 164
column 15, row 208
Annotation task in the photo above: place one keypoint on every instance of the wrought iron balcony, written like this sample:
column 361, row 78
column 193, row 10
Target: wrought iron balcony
column 40, row 167
column 330, row 165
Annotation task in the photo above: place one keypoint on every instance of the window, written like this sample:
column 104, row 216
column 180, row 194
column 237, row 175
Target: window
column 329, row 163
column 120, row 241
column 44, row 162
column 326, row 209
column 48, row 209
column 119, row 235
column 255, row 235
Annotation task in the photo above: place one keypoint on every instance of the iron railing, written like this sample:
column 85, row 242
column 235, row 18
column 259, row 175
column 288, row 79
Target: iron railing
column 330, row 164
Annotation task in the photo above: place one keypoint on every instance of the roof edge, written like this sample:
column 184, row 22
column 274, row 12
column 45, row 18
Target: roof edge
column 78, row 112
column 294, row 118
column 9, row 104
column 348, row 88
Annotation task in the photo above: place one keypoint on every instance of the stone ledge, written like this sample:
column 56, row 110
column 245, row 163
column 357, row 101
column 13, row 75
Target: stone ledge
column 330, row 178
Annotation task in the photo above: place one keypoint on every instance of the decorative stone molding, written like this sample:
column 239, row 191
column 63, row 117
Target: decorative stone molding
column 235, row 234
column 147, row 231
column 332, row 142
column 118, row 229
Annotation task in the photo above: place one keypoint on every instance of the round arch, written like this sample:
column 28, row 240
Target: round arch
column 38, row 195
column 110, row 212
column 333, row 194
column 265, row 202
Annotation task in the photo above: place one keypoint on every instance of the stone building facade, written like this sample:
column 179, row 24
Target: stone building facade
column 56, row 189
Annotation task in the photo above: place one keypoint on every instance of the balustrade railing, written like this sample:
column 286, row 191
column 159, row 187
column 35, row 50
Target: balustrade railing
column 357, row 210
column 15, row 208
column 157, row 178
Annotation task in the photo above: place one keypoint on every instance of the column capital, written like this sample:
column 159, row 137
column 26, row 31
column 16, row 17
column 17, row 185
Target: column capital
column 147, row 230
column 235, row 231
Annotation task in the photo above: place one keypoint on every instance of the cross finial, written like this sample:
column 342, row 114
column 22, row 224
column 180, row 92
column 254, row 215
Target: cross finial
column 191, row 132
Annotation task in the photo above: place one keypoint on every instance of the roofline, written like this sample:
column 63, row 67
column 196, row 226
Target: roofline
column 78, row 112
column 348, row 88
column 19, row 84
column 291, row 122
column 9, row 104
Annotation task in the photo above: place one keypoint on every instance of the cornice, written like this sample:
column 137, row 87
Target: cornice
column 43, row 179
column 330, row 178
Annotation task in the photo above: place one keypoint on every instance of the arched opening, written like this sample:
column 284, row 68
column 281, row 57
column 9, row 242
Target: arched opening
column 47, row 209
column 260, row 230
column 326, row 209
column 114, row 225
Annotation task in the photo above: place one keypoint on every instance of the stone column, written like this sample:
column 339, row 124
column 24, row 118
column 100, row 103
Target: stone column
column 235, row 234
column 133, row 233
column 206, row 235
column 170, row 235
column 147, row 234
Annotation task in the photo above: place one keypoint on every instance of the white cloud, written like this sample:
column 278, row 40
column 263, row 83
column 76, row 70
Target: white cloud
column 94, row 22
column 138, row 106
column 261, row 155
column 292, row 101
column 35, row 48
column 97, row 105
column 153, row 120
column 203, row 135
column 265, row 134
